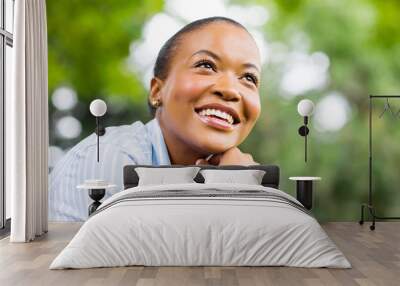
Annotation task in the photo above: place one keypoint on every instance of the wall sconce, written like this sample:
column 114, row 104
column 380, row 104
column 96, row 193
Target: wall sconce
column 98, row 108
column 305, row 108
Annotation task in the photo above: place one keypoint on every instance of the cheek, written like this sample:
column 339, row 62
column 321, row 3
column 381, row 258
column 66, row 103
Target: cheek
column 253, row 108
column 188, row 89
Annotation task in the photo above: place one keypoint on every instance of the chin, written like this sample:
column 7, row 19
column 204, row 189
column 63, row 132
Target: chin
column 213, row 146
column 208, row 140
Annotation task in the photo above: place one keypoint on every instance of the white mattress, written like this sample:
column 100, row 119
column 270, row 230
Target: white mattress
column 189, row 230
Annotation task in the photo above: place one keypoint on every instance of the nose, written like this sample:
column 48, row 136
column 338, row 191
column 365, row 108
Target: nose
column 226, row 88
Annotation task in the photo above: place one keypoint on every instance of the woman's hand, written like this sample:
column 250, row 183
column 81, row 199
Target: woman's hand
column 231, row 156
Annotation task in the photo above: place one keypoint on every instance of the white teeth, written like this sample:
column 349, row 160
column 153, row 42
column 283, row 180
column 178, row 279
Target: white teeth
column 218, row 113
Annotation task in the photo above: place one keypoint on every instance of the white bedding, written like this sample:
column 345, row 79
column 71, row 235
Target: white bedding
column 272, row 229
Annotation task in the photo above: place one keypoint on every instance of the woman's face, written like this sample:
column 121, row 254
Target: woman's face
column 213, row 81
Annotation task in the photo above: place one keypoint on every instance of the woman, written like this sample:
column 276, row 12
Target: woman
column 205, row 99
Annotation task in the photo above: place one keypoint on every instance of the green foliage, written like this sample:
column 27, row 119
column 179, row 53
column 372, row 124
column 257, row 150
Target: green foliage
column 362, row 40
column 88, row 42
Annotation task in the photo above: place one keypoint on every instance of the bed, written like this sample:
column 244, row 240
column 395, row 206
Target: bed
column 201, row 224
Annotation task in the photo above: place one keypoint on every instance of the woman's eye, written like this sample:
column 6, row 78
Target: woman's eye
column 251, row 77
column 205, row 64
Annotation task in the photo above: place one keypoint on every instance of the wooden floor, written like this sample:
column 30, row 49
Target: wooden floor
column 374, row 255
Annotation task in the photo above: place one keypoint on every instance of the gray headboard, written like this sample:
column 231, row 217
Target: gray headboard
column 270, row 179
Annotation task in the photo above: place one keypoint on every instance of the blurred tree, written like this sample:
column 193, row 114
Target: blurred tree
column 362, row 40
column 88, row 42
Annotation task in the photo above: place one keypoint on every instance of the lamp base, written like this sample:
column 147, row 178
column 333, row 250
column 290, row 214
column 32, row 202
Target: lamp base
column 96, row 195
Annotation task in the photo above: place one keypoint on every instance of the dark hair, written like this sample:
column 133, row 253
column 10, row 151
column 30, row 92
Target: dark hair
column 162, row 65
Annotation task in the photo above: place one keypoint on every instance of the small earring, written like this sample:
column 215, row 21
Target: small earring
column 156, row 103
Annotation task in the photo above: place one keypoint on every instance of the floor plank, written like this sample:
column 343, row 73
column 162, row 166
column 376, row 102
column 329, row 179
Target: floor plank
column 374, row 255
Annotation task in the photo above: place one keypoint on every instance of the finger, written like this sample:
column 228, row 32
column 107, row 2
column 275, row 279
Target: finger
column 250, row 157
column 251, row 160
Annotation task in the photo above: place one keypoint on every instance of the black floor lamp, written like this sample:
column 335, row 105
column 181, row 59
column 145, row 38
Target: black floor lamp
column 96, row 187
column 370, row 205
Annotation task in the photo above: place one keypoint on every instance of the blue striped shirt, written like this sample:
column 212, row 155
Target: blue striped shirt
column 121, row 145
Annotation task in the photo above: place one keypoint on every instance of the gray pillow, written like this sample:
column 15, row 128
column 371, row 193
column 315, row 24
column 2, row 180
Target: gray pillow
column 162, row 176
column 249, row 177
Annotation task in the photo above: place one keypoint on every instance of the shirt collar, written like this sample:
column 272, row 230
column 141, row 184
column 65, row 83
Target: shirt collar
column 160, row 154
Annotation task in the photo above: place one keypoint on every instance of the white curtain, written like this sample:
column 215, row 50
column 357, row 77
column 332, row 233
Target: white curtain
column 27, row 123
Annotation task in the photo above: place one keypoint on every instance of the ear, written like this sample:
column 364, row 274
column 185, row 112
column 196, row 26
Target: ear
column 155, row 88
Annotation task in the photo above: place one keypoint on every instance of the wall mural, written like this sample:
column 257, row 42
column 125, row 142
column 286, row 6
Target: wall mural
column 224, row 94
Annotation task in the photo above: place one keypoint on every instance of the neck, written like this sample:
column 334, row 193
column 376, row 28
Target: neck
column 180, row 153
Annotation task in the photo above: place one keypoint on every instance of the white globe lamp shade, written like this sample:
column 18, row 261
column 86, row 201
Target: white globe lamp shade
column 305, row 107
column 98, row 107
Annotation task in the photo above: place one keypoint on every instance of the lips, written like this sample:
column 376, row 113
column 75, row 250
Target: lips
column 219, row 111
column 218, row 116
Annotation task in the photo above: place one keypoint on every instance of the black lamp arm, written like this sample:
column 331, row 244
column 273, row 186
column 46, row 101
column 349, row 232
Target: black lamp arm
column 303, row 131
column 100, row 131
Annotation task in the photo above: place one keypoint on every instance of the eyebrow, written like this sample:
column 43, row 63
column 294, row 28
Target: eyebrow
column 216, row 57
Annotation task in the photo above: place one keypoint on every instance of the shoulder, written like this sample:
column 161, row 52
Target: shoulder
column 131, row 139
column 125, row 136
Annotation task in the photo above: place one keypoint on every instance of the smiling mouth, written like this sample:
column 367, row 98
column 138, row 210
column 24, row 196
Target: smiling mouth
column 217, row 118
